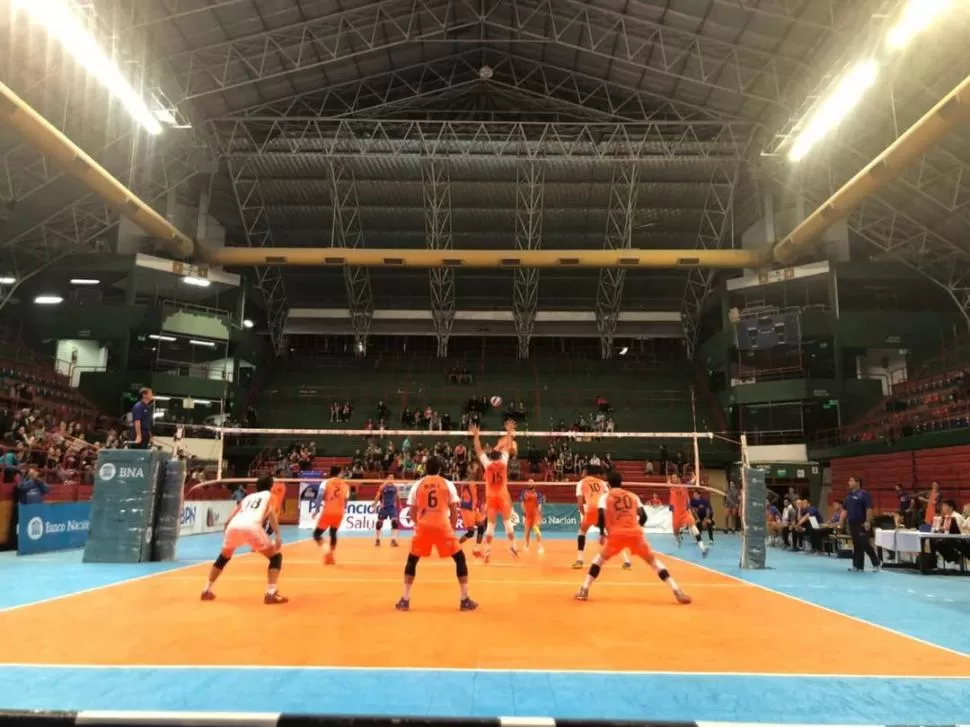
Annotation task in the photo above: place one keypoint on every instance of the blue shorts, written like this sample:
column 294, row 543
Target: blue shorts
column 387, row 513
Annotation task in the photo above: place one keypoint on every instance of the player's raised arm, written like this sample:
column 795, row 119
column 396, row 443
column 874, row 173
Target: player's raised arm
column 473, row 430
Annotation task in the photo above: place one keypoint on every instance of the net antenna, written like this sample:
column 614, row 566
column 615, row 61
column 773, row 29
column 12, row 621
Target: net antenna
column 697, row 448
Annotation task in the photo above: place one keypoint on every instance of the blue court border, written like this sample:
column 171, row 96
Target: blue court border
column 929, row 608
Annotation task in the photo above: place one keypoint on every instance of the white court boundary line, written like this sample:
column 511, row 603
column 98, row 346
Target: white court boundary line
column 125, row 581
column 857, row 619
column 472, row 672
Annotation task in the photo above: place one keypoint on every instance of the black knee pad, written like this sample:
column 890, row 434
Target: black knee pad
column 461, row 564
column 411, row 567
column 276, row 562
column 395, row 524
column 581, row 542
column 333, row 536
column 317, row 534
column 664, row 574
column 480, row 530
column 471, row 532
column 380, row 523
column 221, row 561
column 594, row 570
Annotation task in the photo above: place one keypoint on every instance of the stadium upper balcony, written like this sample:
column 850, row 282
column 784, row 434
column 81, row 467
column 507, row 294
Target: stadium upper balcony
column 937, row 402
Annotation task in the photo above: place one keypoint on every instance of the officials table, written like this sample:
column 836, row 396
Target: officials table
column 912, row 543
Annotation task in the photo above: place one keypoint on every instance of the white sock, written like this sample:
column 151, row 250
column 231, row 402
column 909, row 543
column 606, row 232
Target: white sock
column 208, row 587
column 626, row 558
column 271, row 589
column 588, row 582
column 659, row 566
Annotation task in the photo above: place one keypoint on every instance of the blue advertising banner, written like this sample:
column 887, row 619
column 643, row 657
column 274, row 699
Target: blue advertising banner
column 53, row 526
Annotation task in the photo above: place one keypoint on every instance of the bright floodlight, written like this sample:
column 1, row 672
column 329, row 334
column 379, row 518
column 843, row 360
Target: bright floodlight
column 48, row 299
column 197, row 282
column 835, row 108
column 7, row 280
column 247, row 323
column 84, row 281
column 917, row 17
column 59, row 19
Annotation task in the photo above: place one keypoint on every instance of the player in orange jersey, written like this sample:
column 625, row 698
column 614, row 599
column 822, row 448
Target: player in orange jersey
column 498, row 500
column 471, row 515
column 434, row 511
column 620, row 517
column 681, row 515
column 332, row 499
column 589, row 489
column 249, row 524
column 532, row 501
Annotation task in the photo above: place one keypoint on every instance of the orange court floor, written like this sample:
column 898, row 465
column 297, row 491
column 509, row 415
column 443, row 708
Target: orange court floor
column 341, row 620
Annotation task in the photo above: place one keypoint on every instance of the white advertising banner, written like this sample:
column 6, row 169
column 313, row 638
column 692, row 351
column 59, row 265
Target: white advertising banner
column 204, row 516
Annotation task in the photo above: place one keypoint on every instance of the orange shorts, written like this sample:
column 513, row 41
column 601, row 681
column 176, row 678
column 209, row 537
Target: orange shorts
column 330, row 520
column 590, row 519
column 469, row 518
column 496, row 506
column 683, row 520
column 531, row 521
column 441, row 539
column 634, row 542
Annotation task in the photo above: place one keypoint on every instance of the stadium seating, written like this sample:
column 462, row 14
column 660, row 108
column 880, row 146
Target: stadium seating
column 913, row 470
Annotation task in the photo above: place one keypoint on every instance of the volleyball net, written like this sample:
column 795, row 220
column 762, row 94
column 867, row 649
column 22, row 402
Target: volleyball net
column 552, row 461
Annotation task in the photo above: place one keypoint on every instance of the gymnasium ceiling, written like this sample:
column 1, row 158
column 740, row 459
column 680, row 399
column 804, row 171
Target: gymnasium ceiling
column 487, row 124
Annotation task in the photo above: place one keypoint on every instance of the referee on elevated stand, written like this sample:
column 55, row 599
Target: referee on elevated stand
column 858, row 515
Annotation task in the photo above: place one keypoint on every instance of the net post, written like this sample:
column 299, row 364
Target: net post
column 753, row 494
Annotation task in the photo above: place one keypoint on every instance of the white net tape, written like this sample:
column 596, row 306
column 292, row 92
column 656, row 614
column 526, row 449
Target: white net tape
column 456, row 433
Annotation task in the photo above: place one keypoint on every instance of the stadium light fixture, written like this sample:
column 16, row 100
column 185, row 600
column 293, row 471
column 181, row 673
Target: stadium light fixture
column 847, row 93
column 156, row 337
column 247, row 323
column 624, row 350
column 197, row 282
column 60, row 19
column 7, row 280
column 207, row 344
column 917, row 16
column 48, row 299
column 85, row 281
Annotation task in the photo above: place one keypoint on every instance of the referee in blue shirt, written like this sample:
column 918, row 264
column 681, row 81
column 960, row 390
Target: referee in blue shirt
column 142, row 413
column 858, row 515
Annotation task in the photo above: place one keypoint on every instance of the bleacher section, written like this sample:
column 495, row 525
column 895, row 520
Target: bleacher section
column 937, row 402
column 914, row 470
column 553, row 393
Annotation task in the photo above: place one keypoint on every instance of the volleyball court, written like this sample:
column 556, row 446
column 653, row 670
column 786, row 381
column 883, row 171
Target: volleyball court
column 341, row 615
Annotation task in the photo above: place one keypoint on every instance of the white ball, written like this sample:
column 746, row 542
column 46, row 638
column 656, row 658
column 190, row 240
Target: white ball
column 496, row 401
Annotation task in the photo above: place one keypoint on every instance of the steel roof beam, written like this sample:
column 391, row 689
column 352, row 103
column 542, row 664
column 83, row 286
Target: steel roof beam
column 658, row 49
column 436, row 192
column 348, row 233
column 83, row 225
column 716, row 233
column 693, row 141
column 258, row 233
column 437, row 224
column 624, row 192
column 529, row 189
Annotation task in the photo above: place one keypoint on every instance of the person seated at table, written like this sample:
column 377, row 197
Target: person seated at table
column 950, row 550
column 809, row 520
column 773, row 522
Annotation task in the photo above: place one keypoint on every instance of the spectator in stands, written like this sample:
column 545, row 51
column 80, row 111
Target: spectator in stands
column 648, row 467
column 382, row 411
column 407, row 417
column 904, row 511
column 964, row 520
column 142, row 415
column 664, row 457
column 11, row 463
column 608, row 462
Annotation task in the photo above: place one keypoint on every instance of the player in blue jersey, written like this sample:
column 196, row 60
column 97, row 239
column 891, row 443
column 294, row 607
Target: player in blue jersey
column 388, row 504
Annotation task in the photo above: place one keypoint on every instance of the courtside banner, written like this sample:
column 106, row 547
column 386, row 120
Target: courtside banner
column 556, row 517
column 204, row 516
column 53, row 526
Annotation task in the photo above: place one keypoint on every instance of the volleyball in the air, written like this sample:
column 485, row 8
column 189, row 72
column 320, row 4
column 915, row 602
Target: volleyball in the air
column 496, row 401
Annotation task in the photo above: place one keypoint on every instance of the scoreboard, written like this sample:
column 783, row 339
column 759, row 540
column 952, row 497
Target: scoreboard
column 768, row 331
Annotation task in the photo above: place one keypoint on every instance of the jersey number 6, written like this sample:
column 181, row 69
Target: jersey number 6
column 432, row 498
